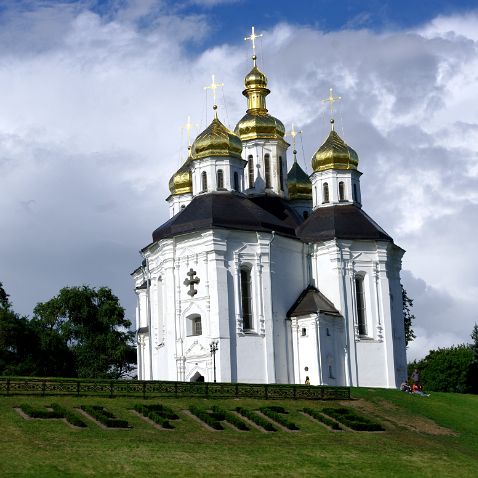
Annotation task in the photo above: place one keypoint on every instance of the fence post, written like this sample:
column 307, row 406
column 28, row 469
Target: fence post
column 8, row 386
column 78, row 388
column 43, row 388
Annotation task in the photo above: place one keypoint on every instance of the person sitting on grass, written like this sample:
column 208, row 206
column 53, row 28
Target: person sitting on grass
column 417, row 390
column 404, row 387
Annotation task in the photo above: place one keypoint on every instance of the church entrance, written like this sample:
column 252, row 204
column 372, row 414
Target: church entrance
column 197, row 377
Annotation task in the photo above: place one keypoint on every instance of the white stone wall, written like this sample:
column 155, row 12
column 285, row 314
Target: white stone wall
column 211, row 166
column 333, row 177
column 272, row 352
column 178, row 202
column 258, row 149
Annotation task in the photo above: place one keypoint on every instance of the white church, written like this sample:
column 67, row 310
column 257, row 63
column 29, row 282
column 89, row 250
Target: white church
column 267, row 276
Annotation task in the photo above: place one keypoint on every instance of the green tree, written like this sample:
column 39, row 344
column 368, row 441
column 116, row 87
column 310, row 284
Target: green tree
column 4, row 302
column 446, row 369
column 408, row 317
column 16, row 340
column 91, row 324
column 473, row 373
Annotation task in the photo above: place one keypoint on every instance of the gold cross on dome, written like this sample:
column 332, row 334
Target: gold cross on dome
column 331, row 99
column 213, row 86
column 188, row 127
column 253, row 39
column 293, row 133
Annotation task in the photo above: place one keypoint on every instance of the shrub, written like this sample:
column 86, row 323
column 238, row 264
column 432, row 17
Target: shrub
column 321, row 418
column 158, row 413
column 39, row 412
column 205, row 417
column 276, row 416
column 277, row 408
column 352, row 419
column 104, row 416
column 69, row 416
column 230, row 417
column 262, row 422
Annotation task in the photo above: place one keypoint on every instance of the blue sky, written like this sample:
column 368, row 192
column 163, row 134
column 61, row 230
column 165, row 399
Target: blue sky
column 93, row 96
column 230, row 19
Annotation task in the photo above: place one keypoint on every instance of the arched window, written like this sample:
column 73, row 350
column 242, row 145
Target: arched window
column 360, row 303
column 325, row 192
column 220, row 179
column 236, row 181
column 354, row 189
column 267, row 170
column 193, row 325
column 341, row 191
column 204, row 181
column 281, row 174
column 250, row 168
column 246, row 298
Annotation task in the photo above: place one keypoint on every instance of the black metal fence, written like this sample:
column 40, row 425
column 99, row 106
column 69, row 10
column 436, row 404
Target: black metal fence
column 150, row 389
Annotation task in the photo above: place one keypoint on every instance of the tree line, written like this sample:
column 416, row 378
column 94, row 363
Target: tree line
column 450, row 369
column 82, row 332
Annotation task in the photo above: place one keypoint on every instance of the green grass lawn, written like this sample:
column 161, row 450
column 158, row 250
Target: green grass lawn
column 435, row 436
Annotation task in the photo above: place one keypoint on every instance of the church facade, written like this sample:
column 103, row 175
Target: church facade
column 267, row 276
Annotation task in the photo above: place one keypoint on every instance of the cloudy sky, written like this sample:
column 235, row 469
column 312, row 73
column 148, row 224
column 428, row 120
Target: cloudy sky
column 93, row 95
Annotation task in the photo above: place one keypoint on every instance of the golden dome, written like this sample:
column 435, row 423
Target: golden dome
column 257, row 122
column 298, row 183
column 334, row 154
column 216, row 140
column 259, row 125
column 256, row 79
column 181, row 181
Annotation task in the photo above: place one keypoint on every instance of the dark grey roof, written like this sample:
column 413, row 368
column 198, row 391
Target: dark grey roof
column 346, row 221
column 231, row 210
column 312, row 301
column 143, row 330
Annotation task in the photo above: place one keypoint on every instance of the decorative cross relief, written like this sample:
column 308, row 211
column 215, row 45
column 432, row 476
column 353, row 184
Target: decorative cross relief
column 191, row 282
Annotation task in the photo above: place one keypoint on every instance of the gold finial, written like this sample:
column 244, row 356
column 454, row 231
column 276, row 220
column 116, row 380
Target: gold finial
column 253, row 40
column 214, row 86
column 293, row 133
column 331, row 99
column 188, row 127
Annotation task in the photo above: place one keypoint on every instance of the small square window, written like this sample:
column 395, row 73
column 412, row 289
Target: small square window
column 304, row 331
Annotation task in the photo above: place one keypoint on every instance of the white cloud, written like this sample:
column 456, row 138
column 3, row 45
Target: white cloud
column 90, row 133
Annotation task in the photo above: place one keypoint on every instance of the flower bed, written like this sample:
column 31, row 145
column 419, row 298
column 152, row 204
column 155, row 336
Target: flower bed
column 206, row 417
column 258, row 420
column 68, row 415
column 160, row 414
column 221, row 414
column 350, row 418
column 39, row 412
column 322, row 418
column 278, row 417
column 104, row 416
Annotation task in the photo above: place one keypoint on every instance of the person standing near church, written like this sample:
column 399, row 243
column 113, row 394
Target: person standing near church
column 416, row 377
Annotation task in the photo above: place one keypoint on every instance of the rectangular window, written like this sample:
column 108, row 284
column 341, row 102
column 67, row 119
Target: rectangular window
column 246, row 299
column 361, row 315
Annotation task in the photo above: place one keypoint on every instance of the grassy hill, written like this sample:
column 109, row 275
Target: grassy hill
column 435, row 436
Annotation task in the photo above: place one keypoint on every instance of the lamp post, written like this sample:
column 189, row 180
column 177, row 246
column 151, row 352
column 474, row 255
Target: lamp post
column 213, row 348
